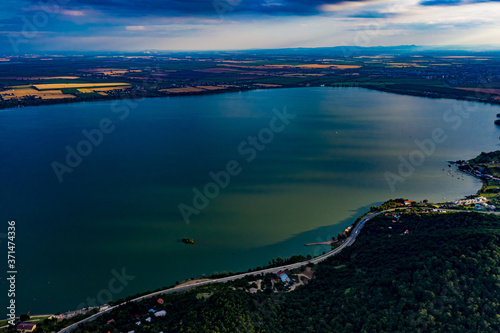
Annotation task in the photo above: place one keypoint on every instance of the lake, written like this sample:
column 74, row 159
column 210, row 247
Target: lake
column 291, row 166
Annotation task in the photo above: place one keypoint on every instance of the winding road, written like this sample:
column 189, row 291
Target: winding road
column 348, row 242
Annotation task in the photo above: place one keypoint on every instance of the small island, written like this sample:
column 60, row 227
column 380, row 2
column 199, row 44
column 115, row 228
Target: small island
column 187, row 241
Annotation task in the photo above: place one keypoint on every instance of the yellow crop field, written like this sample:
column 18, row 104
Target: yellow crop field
column 212, row 87
column 51, row 86
column 47, row 94
column 268, row 85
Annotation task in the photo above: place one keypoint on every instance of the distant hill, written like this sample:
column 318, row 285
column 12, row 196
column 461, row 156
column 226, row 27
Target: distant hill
column 342, row 50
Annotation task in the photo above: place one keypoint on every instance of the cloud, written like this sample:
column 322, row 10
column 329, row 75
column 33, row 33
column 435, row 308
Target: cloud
column 453, row 2
column 135, row 27
column 196, row 24
column 137, row 8
column 68, row 12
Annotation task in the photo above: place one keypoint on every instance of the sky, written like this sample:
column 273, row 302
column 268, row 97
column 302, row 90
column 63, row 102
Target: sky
column 31, row 26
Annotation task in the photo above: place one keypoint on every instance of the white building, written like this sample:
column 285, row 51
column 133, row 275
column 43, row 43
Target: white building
column 160, row 313
column 467, row 202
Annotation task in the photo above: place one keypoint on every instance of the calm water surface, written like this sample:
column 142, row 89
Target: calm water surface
column 119, row 208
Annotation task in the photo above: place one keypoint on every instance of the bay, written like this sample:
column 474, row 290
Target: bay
column 118, row 210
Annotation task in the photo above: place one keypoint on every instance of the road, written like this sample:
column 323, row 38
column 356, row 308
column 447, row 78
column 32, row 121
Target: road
column 348, row 242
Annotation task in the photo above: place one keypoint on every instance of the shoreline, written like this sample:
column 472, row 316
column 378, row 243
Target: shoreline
column 4, row 106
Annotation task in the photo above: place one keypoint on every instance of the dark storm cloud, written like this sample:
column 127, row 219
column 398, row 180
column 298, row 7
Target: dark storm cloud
column 133, row 8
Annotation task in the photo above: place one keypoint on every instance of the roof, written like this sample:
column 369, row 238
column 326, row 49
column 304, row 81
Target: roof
column 26, row 326
column 160, row 313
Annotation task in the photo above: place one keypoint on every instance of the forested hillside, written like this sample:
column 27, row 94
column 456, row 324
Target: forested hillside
column 428, row 273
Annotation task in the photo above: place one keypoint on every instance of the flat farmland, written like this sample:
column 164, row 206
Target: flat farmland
column 47, row 94
column 491, row 91
column 52, row 86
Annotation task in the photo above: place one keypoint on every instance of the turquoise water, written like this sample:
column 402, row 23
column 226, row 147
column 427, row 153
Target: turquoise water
column 119, row 208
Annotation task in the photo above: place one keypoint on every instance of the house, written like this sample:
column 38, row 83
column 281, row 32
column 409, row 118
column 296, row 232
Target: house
column 26, row 327
column 104, row 307
column 110, row 321
column 151, row 310
column 138, row 323
column 407, row 232
column 161, row 313
column 148, row 319
column 408, row 202
column 160, row 301
column 283, row 276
